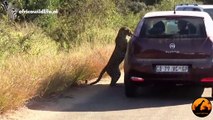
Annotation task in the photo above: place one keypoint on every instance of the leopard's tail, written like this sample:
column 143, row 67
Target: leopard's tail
column 100, row 76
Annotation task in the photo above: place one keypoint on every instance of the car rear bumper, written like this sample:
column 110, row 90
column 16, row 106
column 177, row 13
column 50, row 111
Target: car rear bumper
column 200, row 72
column 170, row 79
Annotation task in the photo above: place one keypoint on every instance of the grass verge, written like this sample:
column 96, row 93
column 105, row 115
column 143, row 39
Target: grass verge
column 24, row 77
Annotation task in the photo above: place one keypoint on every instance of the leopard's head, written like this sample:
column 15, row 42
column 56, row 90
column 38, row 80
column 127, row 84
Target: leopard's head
column 124, row 31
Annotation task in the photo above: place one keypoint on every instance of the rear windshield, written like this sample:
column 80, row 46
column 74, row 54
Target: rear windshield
column 210, row 12
column 188, row 9
column 187, row 27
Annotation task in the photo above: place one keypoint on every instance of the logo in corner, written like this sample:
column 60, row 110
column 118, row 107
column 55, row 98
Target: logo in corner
column 201, row 107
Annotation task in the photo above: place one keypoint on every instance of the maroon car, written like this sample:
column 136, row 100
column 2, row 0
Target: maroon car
column 170, row 48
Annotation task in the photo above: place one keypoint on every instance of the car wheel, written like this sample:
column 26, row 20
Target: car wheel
column 130, row 88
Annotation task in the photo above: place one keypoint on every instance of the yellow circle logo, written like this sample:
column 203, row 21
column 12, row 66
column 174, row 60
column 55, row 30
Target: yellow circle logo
column 201, row 107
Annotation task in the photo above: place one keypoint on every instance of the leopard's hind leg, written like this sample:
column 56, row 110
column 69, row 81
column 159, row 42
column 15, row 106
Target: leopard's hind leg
column 115, row 77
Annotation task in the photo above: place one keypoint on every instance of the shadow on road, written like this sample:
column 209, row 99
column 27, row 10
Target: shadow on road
column 104, row 98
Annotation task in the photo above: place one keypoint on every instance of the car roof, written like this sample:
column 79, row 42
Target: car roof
column 195, row 6
column 177, row 13
column 206, row 6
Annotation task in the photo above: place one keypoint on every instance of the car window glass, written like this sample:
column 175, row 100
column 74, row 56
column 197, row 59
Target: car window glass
column 196, row 9
column 188, row 9
column 173, row 27
column 179, row 8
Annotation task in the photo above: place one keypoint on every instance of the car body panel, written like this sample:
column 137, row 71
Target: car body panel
column 145, row 54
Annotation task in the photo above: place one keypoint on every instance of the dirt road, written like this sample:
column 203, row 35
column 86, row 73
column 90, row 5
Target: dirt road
column 101, row 102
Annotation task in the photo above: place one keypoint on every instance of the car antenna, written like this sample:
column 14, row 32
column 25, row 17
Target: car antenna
column 174, row 9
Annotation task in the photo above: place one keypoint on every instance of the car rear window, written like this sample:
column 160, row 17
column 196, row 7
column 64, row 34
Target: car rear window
column 187, row 27
column 188, row 9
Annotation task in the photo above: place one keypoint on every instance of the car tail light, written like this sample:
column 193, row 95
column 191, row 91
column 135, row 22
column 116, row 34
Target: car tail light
column 207, row 80
column 137, row 79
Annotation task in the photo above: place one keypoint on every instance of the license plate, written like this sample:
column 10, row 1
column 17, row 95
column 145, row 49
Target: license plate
column 172, row 68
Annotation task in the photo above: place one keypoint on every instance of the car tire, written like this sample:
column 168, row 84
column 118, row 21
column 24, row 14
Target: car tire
column 130, row 88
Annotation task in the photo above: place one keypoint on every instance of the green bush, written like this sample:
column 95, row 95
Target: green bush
column 24, row 39
column 79, row 17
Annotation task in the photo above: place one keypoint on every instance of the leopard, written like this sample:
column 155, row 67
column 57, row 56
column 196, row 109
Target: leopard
column 118, row 55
